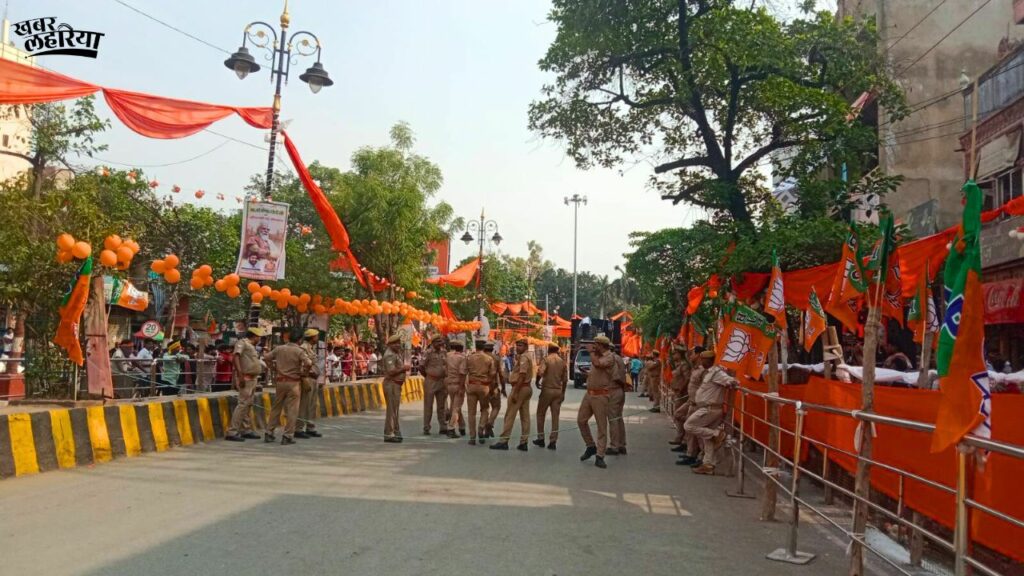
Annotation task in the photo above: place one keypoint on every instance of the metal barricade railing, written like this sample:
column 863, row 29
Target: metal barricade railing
column 959, row 546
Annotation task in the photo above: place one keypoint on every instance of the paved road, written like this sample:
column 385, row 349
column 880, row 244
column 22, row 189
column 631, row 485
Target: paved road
column 350, row 504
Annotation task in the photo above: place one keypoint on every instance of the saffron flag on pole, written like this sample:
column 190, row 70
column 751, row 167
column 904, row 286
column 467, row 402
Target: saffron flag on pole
column 922, row 316
column 814, row 321
column 966, row 401
column 849, row 284
column 71, row 313
column 885, row 260
column 746, row 339
column 775, row 300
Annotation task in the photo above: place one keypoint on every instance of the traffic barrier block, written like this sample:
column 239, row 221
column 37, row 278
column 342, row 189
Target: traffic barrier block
column 65, row 438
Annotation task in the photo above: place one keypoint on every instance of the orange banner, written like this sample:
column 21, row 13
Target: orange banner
column 995, row 487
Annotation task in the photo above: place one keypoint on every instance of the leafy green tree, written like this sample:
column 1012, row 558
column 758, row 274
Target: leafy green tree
column 57, row 133
column 706, row 90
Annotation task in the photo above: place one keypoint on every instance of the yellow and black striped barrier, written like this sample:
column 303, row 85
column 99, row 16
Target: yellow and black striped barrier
column 66, row 438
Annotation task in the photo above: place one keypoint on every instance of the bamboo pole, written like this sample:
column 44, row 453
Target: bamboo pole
column 862, row 482
column 769, row 494
column 926, row 358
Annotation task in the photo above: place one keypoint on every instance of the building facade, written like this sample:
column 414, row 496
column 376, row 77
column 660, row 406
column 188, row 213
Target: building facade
column 931, row 67
column 15, row 128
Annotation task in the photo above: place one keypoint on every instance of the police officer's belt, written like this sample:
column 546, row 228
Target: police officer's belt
column 598, row 391
column 473, row 382
column 717, row 405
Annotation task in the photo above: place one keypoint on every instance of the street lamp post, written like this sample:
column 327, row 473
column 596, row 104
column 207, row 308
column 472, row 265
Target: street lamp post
column 279, row 46
column 576, row 199
column 481, row 227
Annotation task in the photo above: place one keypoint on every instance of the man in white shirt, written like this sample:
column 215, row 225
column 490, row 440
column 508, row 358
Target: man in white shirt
column 143, row 362
column 371, row 364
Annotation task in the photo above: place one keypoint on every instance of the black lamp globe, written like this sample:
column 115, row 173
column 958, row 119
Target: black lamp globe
column 316, row 77
column 242, row 63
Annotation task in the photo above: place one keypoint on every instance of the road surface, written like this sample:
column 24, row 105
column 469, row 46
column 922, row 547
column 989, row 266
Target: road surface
column 351, row 504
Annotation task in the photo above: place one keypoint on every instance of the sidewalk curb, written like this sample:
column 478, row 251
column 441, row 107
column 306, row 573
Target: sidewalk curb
column 66, row 438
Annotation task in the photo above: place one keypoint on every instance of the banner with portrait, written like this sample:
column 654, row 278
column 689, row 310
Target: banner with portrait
column 264, row 233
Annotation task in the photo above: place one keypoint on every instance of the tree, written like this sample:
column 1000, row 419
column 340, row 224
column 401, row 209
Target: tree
column 57, row 132
column 706, row 90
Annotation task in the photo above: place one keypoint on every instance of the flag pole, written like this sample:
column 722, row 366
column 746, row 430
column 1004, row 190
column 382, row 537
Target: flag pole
column 927, row 338
column 862, row 482
column 769, row 494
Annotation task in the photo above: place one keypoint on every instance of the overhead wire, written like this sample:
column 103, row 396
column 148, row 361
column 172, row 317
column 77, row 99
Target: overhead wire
column 944, row 36
column 175, row 163
column 171, row 26
column 916, row 24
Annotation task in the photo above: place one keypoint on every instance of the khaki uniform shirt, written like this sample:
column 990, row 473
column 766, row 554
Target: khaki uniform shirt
column 696, row 377
column 652, row 372
column 309, row 349
column 713, row 388
column 619, row 374
column 290, row 361
column 679, row 378
column 481, row 369
column 553, row 374
column 248, row 359
column 601, row 369
column 391, row 362
column 456, row 370
column 499, row 369
column 522, row 373
column 435, row 365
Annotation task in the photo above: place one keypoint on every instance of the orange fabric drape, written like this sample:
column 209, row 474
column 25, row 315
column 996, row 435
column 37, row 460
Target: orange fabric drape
column 21, row 84
column 515, row 308
column 693, row 299
column 335, row 229
column 915, row 256
column 909, row 450
column 460, row 277
column 748, row 284
column 499, row 308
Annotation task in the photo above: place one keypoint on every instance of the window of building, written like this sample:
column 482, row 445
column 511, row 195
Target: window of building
column 17, row 111
column 1009, row 185
column 7, row 141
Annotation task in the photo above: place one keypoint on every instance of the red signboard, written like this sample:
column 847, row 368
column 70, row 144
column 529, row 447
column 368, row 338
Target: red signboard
column 1003, row 303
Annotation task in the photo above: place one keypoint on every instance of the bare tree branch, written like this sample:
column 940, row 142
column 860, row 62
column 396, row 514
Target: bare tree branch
column 682, row 163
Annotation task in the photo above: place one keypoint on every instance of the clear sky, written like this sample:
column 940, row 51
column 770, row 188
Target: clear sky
column 461, row 72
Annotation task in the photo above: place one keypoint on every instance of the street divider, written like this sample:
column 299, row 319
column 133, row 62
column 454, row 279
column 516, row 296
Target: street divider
column 33, row 442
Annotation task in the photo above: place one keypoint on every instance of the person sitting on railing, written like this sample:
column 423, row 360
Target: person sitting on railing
column 705, row 423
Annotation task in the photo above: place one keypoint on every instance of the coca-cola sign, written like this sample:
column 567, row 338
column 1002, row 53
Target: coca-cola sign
column 1003, row 301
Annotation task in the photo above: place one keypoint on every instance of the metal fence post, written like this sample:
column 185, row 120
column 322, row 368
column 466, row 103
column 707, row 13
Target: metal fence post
column 790, row 554
column 740, row 472
column 962, row 526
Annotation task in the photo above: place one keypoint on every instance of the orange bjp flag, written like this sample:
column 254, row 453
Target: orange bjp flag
column 849, row 284
column 814, row 321
column 775, row 297
column 71, row 314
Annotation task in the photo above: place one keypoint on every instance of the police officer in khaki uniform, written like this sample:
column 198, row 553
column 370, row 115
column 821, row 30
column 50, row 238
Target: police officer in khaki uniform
column 247, row 370
column 394, row 370
column 480, row 378
column 553, row 380
column 595, row 401
column 652, row 375
column 616, row 405
column 519, row 398
column 455, row 386
column 689, row 445
column 705, row 422
column 309, row 405
column 435, row 393
column 289, row 364
column 680, row 375
column 497, row 390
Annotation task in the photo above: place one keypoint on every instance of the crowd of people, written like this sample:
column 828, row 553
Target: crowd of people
column 478, row 380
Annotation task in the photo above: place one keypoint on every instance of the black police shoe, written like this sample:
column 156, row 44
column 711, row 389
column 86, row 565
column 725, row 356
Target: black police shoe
column 538, row 442
column 522, row 447
column 314, row 434
column 286, row 441
column 268, row 438
column 500, row 446
column 590, row 451
column 600, row 463
column 251, row 436
column 301, row 435
column 234, row 438
column 551, row 446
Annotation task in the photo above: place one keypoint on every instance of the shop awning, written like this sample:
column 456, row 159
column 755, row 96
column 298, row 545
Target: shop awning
column 998, row 155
